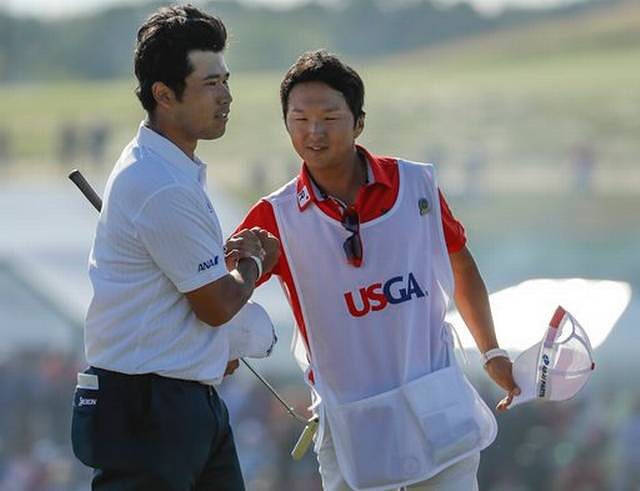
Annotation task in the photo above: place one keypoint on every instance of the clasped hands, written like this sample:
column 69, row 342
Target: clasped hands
column 252, row 242
column 244, row 244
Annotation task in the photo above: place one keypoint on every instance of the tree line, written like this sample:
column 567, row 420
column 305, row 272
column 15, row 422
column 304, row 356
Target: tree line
column 100, row 45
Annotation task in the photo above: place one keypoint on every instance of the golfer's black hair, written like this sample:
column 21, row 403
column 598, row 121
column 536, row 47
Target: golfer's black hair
column 321, row 66
column 163, row 46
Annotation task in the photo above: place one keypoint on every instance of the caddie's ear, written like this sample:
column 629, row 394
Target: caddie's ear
column 163, row 94
column 359, row 125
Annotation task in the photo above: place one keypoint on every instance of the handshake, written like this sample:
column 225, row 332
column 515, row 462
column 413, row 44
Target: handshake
column 257, row 244
column 250, row 332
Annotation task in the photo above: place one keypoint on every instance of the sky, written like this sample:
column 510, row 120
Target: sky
column 61, row 8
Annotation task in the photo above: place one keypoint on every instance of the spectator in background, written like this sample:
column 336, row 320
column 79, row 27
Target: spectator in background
column 97, row 140
column 69, row 143
column 475, row 167
column 628, row 475
column 258, row 177
column 5, row 146
column 584, row 163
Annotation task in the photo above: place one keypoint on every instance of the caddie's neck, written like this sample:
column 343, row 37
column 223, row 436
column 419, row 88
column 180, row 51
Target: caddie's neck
column 343, row 179
column 162, row 124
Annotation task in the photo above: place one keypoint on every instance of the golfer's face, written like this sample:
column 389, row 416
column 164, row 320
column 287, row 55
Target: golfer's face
column 203, row 112
column 321, row 125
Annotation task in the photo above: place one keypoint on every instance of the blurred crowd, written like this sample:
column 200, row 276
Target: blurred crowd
column 589, row 443
column 36, row 388
column 89, row 144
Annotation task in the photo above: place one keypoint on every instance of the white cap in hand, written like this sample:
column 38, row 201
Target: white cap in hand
column 250, row 332
column 557, row 367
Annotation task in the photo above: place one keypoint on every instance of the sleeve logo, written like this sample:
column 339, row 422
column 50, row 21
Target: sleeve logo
column 208, row 264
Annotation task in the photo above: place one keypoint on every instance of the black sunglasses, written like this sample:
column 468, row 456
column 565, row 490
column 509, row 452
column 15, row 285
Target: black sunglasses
column 353, row 245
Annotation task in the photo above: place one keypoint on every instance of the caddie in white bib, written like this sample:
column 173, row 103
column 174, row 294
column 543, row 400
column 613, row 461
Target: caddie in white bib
column 369, row 252
column 382, row 356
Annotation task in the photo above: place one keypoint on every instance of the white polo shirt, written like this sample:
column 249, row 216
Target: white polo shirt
column 157, row 238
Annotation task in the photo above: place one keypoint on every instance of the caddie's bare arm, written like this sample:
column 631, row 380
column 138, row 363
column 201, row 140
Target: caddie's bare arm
column 472, row 301
column 217, row 302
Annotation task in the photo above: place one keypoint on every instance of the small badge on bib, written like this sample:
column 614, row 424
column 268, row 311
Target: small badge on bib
column 303, row 197
column 423, row 206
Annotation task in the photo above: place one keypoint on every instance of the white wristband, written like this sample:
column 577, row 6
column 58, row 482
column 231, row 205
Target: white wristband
column 494, row 353
column 258, row 262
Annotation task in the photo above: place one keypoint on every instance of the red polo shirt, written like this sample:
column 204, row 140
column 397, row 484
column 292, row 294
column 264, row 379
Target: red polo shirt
column 373, row 199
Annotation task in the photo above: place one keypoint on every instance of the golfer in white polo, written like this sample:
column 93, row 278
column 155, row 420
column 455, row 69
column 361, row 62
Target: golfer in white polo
column 146, row 414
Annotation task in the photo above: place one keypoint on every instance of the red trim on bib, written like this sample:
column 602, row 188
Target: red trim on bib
column 376, row 198
column 261, row 215
column 373, row 200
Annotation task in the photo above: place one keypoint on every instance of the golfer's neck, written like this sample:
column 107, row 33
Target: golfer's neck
column 174, row 134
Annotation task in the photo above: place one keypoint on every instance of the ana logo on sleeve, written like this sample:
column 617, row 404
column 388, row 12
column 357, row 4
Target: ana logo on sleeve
column 208, row 264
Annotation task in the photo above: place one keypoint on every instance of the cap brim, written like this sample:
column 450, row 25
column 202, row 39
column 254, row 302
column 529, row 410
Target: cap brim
column 525, row 369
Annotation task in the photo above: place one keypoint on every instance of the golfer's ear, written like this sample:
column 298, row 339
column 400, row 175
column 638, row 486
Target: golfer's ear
column 162, row 94
column 359, row 125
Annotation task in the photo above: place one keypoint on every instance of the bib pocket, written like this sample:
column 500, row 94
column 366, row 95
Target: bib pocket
column 407, row 434
column 376, row 442
column 444, row 409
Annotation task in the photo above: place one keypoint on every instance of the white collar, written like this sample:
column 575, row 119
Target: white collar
column 170, row 152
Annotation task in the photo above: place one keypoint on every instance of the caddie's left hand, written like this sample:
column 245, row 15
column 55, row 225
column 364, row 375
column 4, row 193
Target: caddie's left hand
column 500, row 370
column 271, row 246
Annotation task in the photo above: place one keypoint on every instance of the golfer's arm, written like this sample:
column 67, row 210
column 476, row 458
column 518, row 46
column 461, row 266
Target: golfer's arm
column 217, row 302
column 472, row 300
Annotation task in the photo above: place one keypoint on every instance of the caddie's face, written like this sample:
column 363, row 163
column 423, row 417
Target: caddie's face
column 321, row 125
column 203, row 112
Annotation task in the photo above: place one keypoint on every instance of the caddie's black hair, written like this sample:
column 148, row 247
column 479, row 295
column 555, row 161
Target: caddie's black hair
column 322, row 66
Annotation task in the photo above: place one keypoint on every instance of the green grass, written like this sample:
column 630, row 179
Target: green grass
column 37, row 112
column 525, row 97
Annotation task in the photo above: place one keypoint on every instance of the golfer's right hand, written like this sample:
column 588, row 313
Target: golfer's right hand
column 271, row 246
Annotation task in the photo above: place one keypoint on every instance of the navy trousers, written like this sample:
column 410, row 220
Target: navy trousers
column 147, row 432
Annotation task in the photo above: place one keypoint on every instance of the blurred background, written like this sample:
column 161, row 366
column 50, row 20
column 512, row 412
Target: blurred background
column 530, row 109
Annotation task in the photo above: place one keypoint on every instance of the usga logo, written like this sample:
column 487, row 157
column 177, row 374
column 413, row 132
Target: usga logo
column 378, row 296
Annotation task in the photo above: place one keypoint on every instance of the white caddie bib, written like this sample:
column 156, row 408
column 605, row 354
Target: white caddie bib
column 399, row 406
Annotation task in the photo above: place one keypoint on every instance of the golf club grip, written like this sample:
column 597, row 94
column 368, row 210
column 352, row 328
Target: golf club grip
column 78, row 179
column 303, row 443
